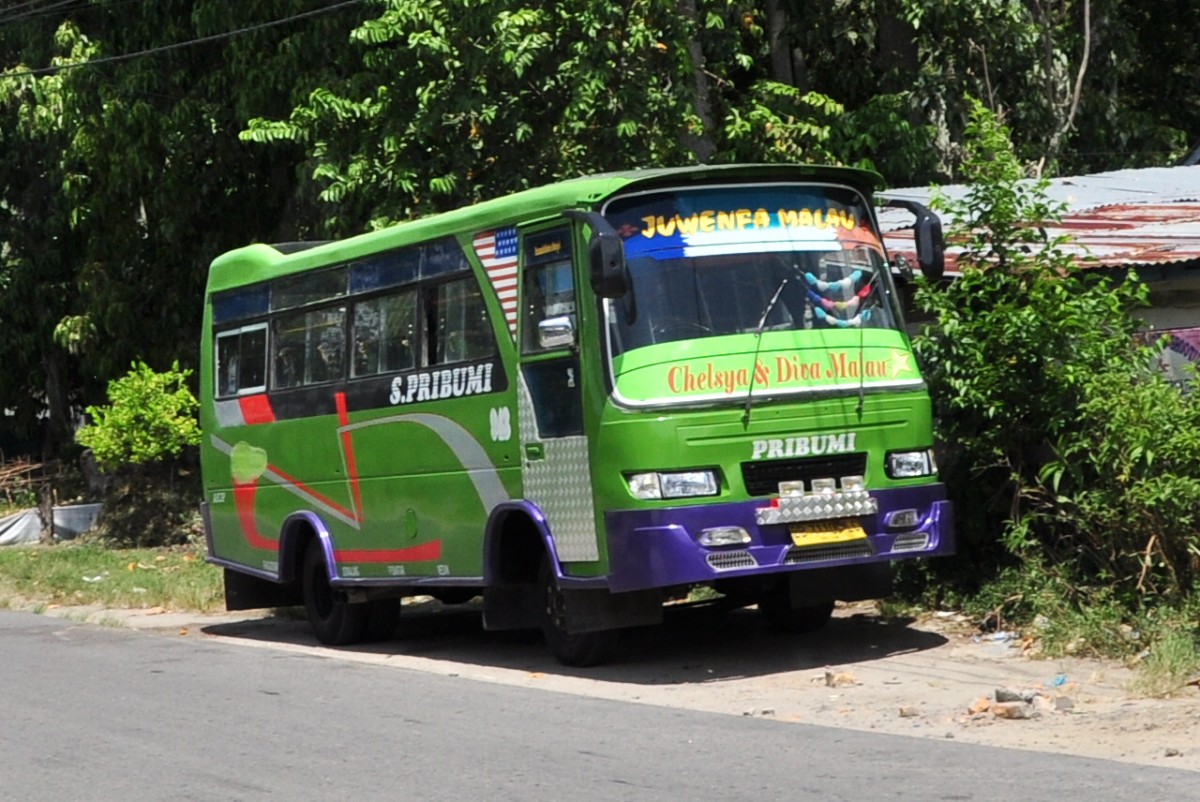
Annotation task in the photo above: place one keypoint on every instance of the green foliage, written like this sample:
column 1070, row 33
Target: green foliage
column 1074, row 464
column 150, row 417
column 457, row 101
column 1125, row 481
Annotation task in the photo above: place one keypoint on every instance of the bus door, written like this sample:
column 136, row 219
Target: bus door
column 554, row 450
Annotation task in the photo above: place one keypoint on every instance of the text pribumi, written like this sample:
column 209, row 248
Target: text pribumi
column 783, row 447
column 436, row 384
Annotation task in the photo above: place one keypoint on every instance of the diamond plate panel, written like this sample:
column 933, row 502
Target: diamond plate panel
column 560, row 484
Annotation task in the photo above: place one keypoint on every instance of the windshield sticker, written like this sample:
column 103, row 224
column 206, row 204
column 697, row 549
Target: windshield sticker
column 786, row 371
column 714, row 222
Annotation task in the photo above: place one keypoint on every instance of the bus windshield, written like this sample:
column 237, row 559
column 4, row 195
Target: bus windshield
column 690, row 298
column 719, row 274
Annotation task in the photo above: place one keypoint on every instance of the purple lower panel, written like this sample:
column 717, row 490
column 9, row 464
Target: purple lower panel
column 660, row 548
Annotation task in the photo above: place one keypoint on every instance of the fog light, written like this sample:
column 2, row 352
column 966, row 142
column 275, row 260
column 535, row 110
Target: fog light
column 822, row 486
column 724, row 536
column 901, row 519
column 795, row 488
column 853, row 483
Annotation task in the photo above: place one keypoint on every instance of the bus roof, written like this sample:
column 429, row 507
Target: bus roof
column 261, row 262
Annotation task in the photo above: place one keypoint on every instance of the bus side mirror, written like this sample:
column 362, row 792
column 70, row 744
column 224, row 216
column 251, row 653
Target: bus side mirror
column 556, row 332
column 927, row 235
column 606, row 255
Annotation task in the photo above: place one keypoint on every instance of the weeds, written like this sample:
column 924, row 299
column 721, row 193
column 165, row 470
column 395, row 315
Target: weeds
column 1169, row 664
column 90, row 573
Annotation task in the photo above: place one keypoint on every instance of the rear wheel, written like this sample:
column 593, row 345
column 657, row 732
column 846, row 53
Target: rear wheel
column 334, row 620
column 579, row 649
column 777, row 610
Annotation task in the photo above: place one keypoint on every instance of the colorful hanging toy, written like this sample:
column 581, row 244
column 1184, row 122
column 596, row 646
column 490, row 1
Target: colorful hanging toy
column 823, row 307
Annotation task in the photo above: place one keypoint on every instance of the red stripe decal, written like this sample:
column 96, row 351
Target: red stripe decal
column 426, row 551
column 256, row 409
column 243, row 502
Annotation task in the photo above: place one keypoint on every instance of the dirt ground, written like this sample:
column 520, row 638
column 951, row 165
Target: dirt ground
column 932, row 678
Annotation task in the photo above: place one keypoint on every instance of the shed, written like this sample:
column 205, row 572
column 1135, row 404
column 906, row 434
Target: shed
column 1145, row 219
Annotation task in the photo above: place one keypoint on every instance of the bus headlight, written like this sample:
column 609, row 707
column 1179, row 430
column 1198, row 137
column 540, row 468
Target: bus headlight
column 909, row 464
column 683, row 484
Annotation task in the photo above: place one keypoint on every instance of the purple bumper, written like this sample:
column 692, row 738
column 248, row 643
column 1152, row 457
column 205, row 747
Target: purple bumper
column 660, row 548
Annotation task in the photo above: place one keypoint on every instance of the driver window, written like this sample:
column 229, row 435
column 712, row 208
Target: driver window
column 549, row 287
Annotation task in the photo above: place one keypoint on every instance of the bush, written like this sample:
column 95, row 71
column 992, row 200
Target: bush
column 150, row 417
column 1065, row 452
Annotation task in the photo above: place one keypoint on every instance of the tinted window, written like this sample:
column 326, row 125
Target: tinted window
column 459, row 325
column 385, row 331
column 241, row 361
column 310, row 347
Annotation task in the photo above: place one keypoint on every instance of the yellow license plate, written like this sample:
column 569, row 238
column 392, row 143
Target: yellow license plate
column 819, row 533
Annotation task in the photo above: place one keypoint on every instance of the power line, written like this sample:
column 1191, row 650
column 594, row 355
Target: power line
column 179, row 45
column 23, row 11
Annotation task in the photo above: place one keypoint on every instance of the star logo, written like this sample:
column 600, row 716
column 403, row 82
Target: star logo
column 901, row 362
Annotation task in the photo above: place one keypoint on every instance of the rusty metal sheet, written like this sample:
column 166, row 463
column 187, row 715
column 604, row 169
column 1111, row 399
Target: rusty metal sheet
column 1118, row 219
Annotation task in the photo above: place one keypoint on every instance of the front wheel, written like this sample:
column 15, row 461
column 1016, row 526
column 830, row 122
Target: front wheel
column 578, row 649
column 334, row 620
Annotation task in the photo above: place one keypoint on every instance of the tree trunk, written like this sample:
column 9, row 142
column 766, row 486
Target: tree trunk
column 701, row 143
column 60, row 427
column 896, row 52
column 787, row 60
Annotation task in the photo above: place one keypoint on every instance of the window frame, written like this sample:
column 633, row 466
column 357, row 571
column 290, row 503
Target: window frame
column 240, row 332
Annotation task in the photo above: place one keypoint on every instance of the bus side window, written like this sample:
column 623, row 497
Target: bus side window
column 460, row 327
column 241, row 360
column 384, row 330
column 310, row 347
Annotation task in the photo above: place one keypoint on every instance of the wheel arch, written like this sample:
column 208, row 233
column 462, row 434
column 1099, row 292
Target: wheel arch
column 298, row 531
column 514, row 541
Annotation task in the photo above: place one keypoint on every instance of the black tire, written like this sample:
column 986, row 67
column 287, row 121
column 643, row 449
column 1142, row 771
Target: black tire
column 580, row 649
column 334, row 620
column 778, row 612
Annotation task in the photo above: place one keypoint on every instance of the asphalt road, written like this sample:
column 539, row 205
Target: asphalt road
column 98, row 713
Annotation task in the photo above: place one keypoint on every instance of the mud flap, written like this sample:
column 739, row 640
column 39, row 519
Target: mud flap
column 245, row 592
column 591, row 610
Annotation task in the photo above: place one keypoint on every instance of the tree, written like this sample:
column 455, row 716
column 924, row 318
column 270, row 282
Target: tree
column 120, row 181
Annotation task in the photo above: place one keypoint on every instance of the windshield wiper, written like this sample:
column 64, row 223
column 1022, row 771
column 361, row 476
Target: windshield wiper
column 762, row 322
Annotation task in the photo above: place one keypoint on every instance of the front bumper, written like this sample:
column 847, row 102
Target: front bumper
column 661, row 548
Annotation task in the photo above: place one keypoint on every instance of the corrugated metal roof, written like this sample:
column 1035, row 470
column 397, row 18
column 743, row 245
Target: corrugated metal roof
column 1120, row 218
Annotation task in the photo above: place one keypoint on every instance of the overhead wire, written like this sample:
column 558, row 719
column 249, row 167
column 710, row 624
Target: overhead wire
column 95, row 62
column 16, row 14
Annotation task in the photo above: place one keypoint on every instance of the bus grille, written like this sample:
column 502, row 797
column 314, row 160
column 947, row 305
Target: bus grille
column 762, row 478
column 816, row 554
column 729, row 560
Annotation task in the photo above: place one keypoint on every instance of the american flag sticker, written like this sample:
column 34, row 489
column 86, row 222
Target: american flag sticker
column 497, row 250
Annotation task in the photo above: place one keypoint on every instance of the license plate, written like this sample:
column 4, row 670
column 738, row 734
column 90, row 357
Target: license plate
column 819, row 533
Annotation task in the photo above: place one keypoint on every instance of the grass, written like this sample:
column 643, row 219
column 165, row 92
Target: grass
column 83, row 573
column 1170, row 663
